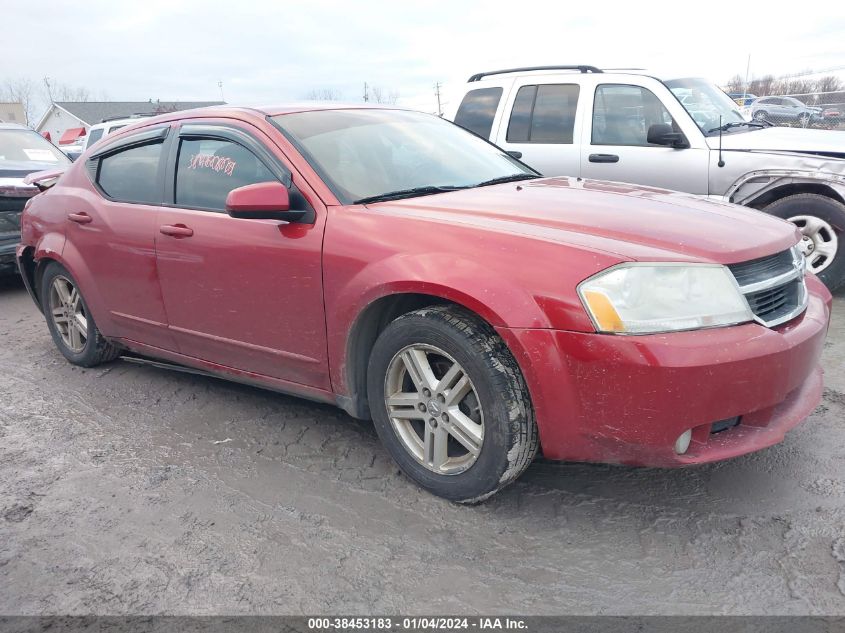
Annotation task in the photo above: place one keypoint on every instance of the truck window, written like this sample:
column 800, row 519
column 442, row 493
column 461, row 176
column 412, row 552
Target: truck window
column 544, row 114
column 622, row 115
column 478, row 109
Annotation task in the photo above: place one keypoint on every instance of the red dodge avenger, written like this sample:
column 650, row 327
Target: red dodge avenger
column 405, row 270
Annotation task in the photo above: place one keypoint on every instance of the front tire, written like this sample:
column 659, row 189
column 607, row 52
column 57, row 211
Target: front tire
column 450, row 404
column 821, row 221
column 70, row 322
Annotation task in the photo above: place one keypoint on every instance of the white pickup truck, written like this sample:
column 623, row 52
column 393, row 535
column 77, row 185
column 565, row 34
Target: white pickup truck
column 681, row 134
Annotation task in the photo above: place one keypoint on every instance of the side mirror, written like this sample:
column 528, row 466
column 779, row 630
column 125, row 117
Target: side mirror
column 261, row 201
column 663, row 134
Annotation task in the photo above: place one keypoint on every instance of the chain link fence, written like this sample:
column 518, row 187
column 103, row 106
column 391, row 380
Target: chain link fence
column 818, row 110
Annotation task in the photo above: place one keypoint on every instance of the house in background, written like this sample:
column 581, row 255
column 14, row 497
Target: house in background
column 12, row 112
column 66, row 121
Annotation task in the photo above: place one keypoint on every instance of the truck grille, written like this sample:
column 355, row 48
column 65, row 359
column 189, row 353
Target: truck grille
column 773, row 286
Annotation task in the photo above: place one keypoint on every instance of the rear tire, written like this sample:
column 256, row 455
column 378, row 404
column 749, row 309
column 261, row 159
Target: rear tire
column 70, row 322
column 822, row 222
column 448, row 341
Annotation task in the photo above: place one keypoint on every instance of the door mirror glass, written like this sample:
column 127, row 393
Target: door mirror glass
column 261, row 201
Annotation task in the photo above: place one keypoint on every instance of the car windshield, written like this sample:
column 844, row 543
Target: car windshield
column 370, row 153
column 18, row 148
column 708, row 106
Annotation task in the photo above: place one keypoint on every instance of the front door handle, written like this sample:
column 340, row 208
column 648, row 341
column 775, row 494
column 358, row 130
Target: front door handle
column 80, row 218
column 604, row 158
column 176, row 230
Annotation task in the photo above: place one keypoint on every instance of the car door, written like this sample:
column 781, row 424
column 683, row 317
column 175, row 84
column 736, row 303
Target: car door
column 245, row 294
column 111, row 233
column 616, row 148
column 541, row 122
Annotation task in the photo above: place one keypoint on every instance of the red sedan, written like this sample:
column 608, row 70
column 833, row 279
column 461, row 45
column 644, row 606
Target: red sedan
column 397, row 266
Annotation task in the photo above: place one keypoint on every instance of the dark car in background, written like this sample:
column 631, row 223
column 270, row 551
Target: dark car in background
column 22, row 152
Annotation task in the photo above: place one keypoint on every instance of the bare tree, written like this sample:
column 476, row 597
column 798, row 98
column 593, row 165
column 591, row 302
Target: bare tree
column 21, row 91
column 57, row 91
column 324, row 94
column 379, row 95
column 736, row 84
column 829, row 84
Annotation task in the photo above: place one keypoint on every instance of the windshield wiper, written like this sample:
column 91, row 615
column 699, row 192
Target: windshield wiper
column 733, row 124
column 503, row 179
column 407, row 193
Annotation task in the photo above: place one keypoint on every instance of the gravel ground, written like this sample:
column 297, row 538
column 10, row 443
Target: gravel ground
column 128, row 489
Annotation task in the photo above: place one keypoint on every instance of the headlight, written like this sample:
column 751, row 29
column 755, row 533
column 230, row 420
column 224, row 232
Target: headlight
column 648, row 298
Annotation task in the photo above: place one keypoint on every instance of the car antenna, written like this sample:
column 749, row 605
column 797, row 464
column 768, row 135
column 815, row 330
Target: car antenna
column 721, row 162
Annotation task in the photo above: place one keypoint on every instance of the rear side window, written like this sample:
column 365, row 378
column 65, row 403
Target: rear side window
column 208, row 169
column 131, row 175
column 544, row 114
column 478, row 109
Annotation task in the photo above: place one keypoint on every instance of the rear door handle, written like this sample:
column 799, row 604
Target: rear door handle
column 176, row 230
column 80, row 218
column 604, row 158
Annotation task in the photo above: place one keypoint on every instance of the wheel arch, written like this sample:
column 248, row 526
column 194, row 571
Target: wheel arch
column 373, row 319
column 791, row 189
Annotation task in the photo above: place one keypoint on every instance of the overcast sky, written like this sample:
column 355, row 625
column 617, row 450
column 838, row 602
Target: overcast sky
column 275, row 51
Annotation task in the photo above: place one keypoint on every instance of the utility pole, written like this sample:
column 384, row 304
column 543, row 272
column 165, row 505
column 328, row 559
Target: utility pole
column 747, row 69
column 437, row 92
column 49, row 90
column 366, row 93
column 220, row 85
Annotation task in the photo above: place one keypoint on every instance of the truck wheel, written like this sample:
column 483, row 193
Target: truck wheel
column 450, row 404
column 69, row 320
column 821, row 221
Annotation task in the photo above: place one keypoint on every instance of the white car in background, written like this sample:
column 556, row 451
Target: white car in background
column 683, row 134
column 101, row 130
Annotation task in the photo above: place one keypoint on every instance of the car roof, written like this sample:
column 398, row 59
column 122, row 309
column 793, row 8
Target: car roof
column 247, row 112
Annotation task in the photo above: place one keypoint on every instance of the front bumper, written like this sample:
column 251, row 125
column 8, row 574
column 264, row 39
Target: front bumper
column 626, row 399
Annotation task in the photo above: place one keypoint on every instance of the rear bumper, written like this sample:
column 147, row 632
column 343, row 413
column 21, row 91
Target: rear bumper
column 626, row 399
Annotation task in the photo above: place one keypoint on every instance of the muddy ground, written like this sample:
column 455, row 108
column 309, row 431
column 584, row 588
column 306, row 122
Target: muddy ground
column 127, row 489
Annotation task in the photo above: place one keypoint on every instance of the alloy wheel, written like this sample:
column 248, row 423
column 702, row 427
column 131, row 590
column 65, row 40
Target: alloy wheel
column 68, row 314
column 434, row 409
column 819, row 242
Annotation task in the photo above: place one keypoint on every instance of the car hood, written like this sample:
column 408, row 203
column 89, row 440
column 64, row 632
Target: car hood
column 784, row 139
column 21, row 168
column 635, row 223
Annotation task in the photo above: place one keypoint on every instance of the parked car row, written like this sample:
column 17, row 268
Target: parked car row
column 399, row 267
column 789, row 110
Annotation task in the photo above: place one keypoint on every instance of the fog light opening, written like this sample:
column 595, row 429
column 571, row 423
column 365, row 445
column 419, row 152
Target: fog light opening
column 682, row 443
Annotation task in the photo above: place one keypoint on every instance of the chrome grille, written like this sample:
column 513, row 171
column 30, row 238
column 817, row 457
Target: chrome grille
column 773, row 286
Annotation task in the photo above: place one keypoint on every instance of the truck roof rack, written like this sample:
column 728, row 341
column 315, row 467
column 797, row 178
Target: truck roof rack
column 582, row 68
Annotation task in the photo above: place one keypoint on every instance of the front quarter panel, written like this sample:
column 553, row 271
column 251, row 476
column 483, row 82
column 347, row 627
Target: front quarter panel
column 509, row 280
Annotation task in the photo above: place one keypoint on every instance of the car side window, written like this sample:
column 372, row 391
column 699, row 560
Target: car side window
column 478, row 109
column 208, row 169
column 622, row 115
column 544, row 114
column 131, row 175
